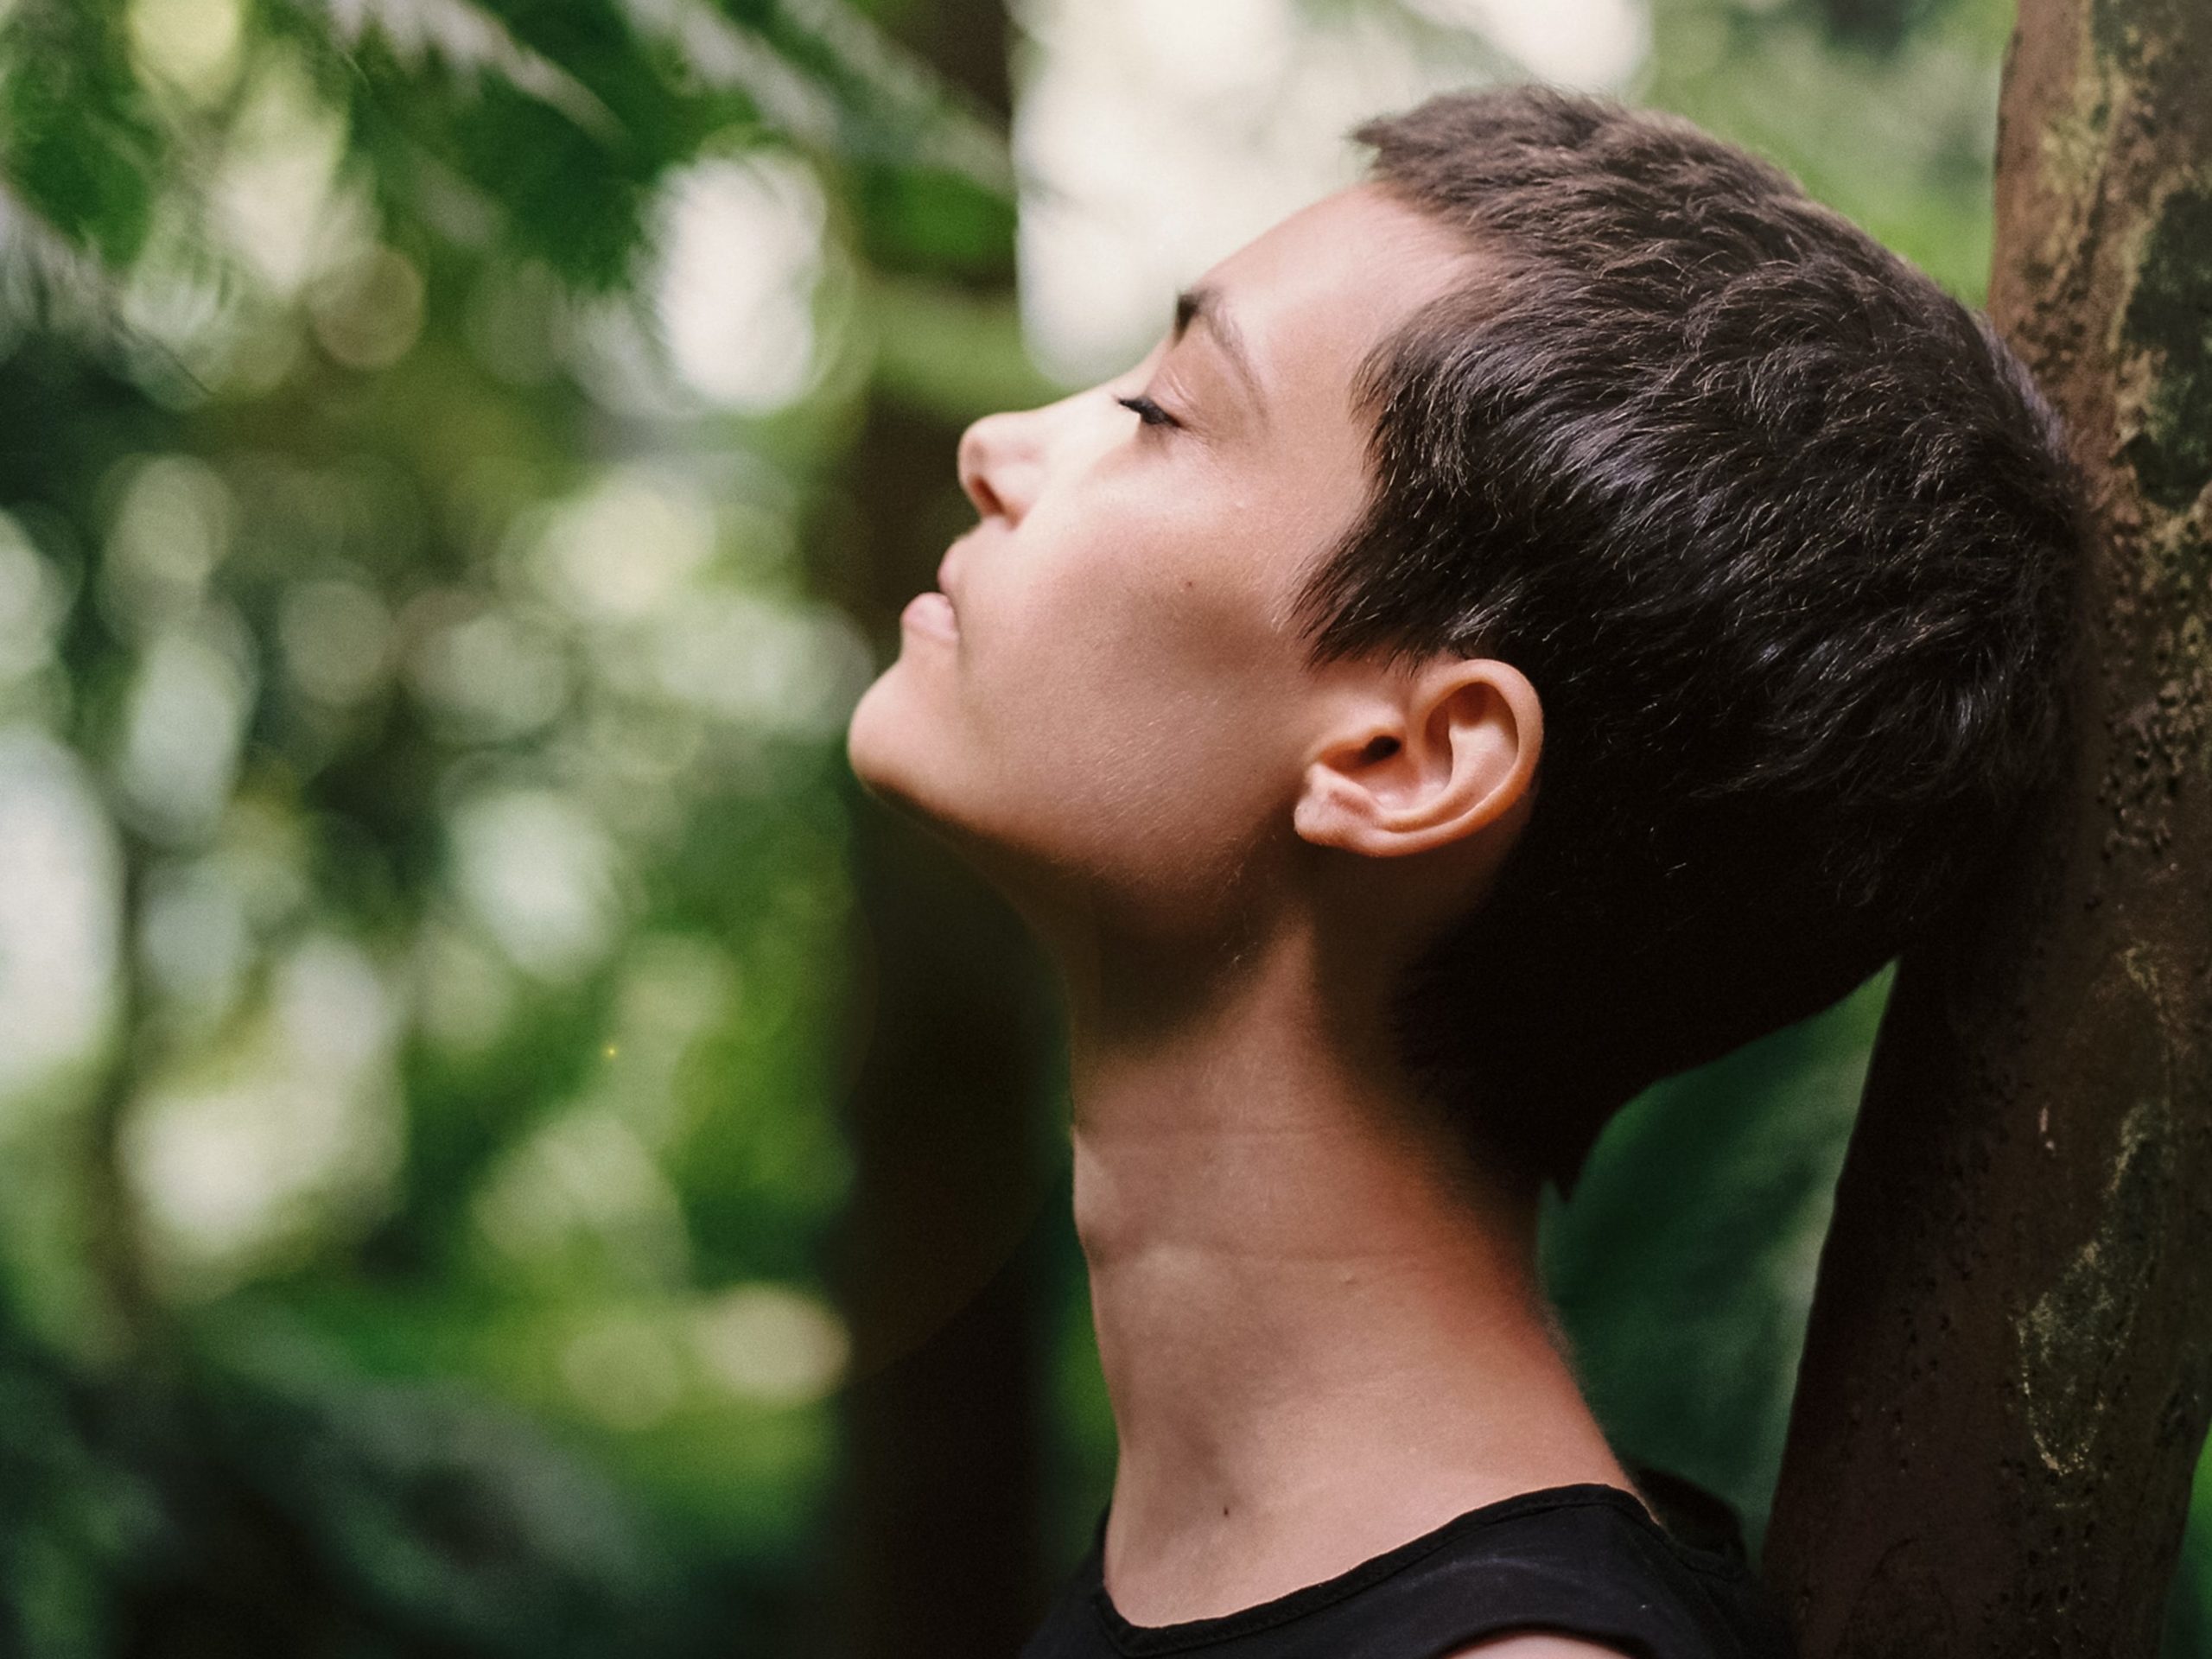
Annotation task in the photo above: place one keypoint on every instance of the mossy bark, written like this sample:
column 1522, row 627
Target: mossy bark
column 2008, row 1373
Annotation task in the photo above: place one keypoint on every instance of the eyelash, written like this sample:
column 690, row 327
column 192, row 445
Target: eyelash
column 1147, row 411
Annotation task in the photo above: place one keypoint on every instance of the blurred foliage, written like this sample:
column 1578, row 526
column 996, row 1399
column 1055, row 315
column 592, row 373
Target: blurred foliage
column 420, row 788
column 427, row 624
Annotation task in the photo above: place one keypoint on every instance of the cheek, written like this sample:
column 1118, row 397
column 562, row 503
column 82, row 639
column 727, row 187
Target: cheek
column 1118, row 712
column 1133, row 715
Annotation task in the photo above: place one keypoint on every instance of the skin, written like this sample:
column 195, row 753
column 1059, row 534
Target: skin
column 1320, row 1326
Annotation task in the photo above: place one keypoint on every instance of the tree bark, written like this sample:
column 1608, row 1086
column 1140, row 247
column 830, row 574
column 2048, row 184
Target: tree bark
column 2008, row 1372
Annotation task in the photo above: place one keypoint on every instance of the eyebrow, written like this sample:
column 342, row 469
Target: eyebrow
column 1203, row 303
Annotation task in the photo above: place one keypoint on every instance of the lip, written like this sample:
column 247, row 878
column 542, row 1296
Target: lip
column 944, row 567
column 932, row 614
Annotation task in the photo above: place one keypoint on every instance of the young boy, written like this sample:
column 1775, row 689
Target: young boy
column 1545, row 615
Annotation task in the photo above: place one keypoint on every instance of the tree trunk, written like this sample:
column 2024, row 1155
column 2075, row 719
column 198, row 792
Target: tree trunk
column 2009, row 1368
column 941, row 1545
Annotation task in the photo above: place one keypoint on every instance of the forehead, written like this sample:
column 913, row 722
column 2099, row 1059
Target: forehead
column 1314, row 294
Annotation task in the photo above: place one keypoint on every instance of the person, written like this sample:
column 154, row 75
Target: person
column 1543, row 616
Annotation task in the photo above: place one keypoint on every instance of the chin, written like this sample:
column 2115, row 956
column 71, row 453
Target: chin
column 874, row 745
column 899, row 755
column 891, row 748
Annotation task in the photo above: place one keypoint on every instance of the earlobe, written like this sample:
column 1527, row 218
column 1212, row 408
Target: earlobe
column 1423, row 760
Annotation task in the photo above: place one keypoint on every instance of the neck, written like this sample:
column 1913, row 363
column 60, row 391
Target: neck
column 1321, row 1331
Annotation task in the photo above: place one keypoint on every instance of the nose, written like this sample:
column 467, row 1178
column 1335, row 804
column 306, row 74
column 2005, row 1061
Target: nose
column 1000, row 463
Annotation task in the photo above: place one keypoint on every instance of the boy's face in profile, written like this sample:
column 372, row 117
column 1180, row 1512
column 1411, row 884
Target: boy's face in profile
column 1114, row 706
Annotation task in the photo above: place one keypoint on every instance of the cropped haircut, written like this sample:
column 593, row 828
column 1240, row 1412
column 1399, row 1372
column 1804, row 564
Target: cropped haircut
column 1782, row 535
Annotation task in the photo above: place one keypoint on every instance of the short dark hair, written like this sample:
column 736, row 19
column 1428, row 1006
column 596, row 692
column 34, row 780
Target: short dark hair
column 1787, row 542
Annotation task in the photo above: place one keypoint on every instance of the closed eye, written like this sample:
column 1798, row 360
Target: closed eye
column 1147, row 411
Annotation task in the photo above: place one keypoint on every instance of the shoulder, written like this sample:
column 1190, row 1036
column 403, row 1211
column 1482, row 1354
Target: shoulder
column 1535, row 1645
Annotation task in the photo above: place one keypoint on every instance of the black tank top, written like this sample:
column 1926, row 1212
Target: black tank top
column 1583, row 1561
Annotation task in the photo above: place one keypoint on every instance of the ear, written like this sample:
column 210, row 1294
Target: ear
column 1421, row 761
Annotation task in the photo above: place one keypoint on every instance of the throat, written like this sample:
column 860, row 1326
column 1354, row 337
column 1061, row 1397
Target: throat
column 1317, row 1348
column 1320, row 1326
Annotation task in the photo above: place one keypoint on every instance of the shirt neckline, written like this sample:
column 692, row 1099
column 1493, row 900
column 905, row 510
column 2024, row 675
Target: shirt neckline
column 1149, row 1639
